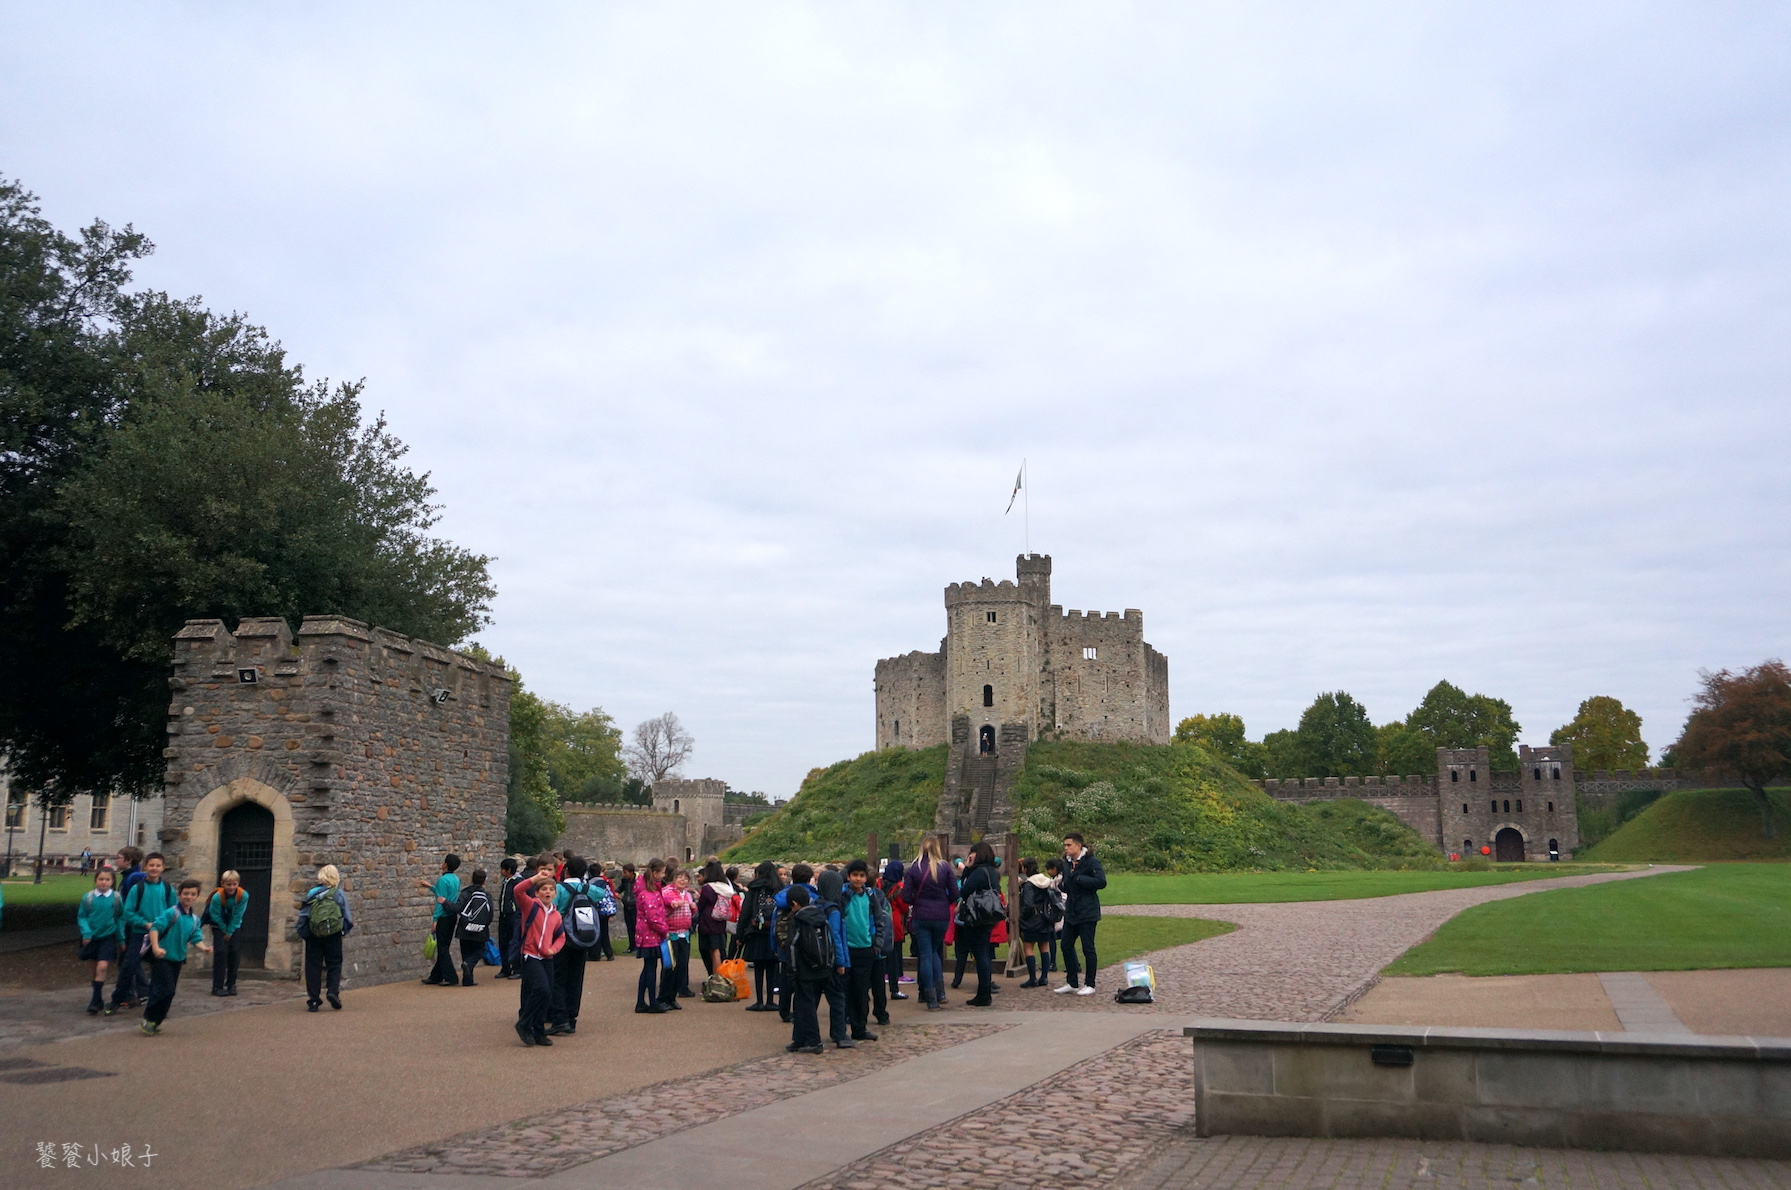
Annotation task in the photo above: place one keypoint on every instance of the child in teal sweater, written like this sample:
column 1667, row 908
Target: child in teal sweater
column 101, row 918
column 170, row 936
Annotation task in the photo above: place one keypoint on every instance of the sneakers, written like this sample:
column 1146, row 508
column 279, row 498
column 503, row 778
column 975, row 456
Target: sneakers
column 333, row 998
column 313, row 1005
column 1085, row 991
column 846, row 1043
column 900, row 995
column 812, row 1049
column 864, row 1037
column 1065, row 990
column 906, row 979
column 148, row 1028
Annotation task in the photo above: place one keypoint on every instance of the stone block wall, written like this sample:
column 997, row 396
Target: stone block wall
column 622, row 834
column 911, row 700
column 372, row 751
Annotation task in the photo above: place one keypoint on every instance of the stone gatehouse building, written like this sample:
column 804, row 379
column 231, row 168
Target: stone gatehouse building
column 1015, row 667
column 345, row 745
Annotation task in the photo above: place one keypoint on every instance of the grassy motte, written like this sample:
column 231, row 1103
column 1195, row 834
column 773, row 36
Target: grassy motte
column 1251, row 888
column 1699, row 826
column 1724, row 915
column 1144, row 807
column 893, row 792
column 1151, row 808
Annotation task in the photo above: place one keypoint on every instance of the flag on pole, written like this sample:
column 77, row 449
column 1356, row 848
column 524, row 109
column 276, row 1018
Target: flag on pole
column 1019, row 482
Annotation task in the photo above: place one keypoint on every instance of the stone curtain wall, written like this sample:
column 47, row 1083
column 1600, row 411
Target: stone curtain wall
column 1110, row 696
column 911, row 700
column 375, row 752
column 619, row 835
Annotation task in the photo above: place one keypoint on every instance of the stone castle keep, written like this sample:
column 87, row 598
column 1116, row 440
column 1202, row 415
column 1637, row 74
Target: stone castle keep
column 1015, row 667
column 346, row 745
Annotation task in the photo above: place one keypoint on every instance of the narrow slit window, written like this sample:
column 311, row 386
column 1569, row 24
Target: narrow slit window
column 1520, row 805
column 988, row 696
column 1464, row 807
column 1089, row 653
column 1454, row 775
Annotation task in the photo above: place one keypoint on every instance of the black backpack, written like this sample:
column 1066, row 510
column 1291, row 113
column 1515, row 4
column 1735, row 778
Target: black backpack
column 812, row 943
column 581, row 919
column 758, row 921
column 475, row 914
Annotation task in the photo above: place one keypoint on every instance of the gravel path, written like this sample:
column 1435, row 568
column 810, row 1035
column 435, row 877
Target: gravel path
column 1294, row 961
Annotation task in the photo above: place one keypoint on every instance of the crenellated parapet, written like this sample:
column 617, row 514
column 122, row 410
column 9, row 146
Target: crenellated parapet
column 987, row 591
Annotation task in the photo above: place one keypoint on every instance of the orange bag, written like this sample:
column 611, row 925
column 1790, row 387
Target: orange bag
column 735, row 971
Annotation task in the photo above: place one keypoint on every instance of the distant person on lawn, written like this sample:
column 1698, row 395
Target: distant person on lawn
column 1083, row 880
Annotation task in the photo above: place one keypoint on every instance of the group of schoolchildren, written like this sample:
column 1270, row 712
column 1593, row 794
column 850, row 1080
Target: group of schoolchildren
column 835, row 934
column 138, row 923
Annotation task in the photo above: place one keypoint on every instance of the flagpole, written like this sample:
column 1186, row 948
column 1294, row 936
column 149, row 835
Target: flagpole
column 1026, row 489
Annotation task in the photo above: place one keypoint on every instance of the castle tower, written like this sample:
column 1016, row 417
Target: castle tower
column 994, row 655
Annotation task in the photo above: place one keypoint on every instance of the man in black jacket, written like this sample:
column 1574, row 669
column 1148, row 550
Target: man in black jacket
column 1083, row 880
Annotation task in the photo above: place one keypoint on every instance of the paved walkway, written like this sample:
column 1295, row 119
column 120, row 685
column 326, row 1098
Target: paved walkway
column 1304, row 960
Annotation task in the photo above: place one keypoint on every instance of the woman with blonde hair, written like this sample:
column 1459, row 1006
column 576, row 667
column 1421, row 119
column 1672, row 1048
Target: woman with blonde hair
column 323, row 922
column 929, row 886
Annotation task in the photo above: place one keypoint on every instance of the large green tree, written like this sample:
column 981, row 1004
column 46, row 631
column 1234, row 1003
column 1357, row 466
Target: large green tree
column 1449, row 717
column 1740, row 727
column 1403, row 750
column 159, row 462
column 1335, row 738
column 1605, row 734
column 1222, row 736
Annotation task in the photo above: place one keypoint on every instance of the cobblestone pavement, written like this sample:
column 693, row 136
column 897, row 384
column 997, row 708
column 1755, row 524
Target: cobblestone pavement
column 1299, row 1163
column 543, row 1145
column 1084, row 1128
column 32, row 1018
column 1295, row 961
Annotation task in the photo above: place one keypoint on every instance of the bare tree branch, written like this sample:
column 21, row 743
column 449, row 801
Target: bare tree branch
column 657, row 748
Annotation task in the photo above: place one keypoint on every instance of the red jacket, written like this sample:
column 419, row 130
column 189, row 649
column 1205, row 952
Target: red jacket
column 898, row 910
column 542, row 934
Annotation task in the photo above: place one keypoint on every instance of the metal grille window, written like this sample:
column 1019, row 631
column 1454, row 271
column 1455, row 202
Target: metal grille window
column 255, row 855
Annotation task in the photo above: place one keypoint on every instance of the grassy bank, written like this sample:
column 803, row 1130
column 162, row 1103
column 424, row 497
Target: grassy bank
column 1724, row 915
column 1143, row 807
column 1699, row 826
column 1250, row 888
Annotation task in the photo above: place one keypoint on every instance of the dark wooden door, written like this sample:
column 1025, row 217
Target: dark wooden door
column 246, row 843
column 1508, row 846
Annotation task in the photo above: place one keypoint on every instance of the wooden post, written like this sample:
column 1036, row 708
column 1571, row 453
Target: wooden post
column 1010, row 867
column 870, row 854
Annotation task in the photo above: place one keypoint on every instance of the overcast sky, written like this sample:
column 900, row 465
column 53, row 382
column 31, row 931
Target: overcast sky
column 1358, row 349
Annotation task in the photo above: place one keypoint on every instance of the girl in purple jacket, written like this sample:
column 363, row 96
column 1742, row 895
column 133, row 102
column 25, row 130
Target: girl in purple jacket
column 931, row 889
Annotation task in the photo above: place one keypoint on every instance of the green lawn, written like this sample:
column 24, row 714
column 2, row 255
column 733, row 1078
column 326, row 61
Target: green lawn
column 57, row 889
column 1122, row 938
column 1724, row 915
column 1244, row 888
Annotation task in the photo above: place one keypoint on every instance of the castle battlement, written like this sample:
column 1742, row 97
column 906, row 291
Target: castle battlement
column 1006, row 591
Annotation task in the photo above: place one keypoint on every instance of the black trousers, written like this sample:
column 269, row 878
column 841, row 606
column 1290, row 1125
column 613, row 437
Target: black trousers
column 226, row 958
column 130, row 969
column 443, row 971
column 604, row 949
column 879, row 1000
column 892, row 969
column 537, row 994
column 628, row 920
column 1084, row 930
column 786, row 989
column 805, row 1020
column 568, row 984
column 859, row 978
column 647, row 990
column 472, row 953
column 323, row 956
column 164, row 977
column 839, row 1017
column 978, row 938
column 676, row 976
column 506, row 933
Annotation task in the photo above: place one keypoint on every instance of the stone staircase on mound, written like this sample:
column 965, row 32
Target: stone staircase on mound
column 974, row 803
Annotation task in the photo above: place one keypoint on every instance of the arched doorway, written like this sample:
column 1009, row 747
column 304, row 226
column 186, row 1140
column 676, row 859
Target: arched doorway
column 246, row 843
column 1508, row 846
column 986, row 740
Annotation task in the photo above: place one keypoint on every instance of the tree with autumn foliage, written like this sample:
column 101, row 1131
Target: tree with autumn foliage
column 1606, row 735
column 1740, row 726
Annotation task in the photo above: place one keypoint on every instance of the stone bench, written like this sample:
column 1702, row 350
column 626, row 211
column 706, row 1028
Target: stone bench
column 1718, row 1096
